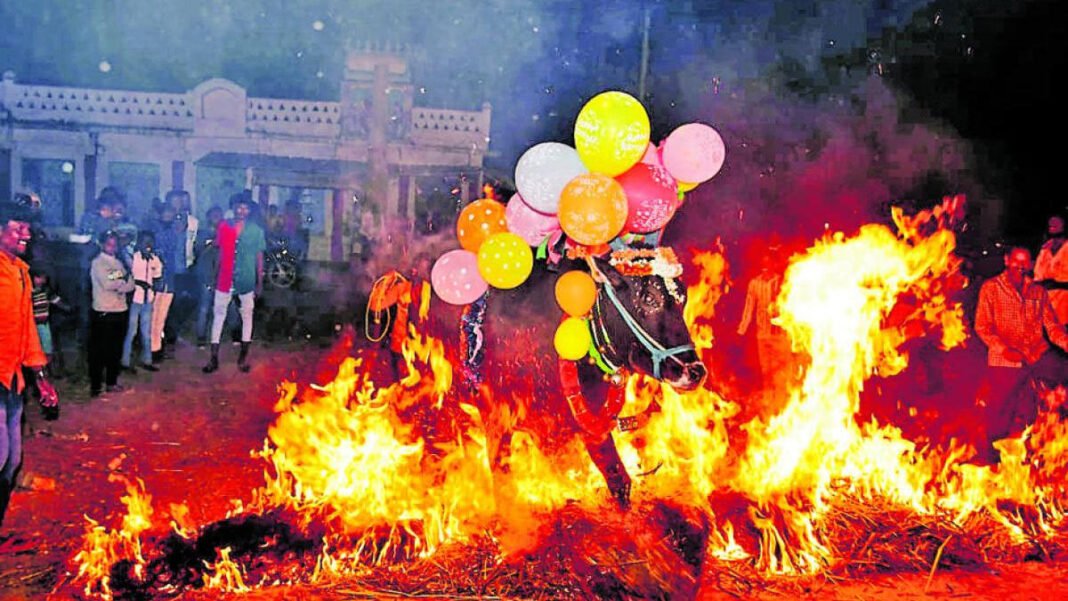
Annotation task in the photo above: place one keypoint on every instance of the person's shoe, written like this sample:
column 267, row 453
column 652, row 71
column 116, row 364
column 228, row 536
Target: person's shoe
column 117, row 388
column 149, row 367
column 242, row 359
column 213, row 363
column 95, row 392
column 157, row 357
column 202, row 344
column 129, row 369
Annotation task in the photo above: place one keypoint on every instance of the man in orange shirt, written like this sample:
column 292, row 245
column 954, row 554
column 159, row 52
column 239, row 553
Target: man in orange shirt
column 19, row 344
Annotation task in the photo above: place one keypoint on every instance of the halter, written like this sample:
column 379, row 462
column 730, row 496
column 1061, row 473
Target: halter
column 657, row 351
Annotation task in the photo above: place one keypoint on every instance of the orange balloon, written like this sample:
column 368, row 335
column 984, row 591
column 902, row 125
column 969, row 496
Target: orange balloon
column 478, row 221
column 576, row 293
column 593, row 209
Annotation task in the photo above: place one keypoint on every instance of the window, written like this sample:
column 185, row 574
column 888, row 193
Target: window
column 215, row 186
column 139, row 183
column 53, row 181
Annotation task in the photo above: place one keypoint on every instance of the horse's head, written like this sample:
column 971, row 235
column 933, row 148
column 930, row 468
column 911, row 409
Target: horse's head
column 637, row 319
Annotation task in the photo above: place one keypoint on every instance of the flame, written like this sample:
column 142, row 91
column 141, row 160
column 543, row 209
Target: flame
column 226, row 576
column 702, row 297
column 393, row 473
column 102, row 548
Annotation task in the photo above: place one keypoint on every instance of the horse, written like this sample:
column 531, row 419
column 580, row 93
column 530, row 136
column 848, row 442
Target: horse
column 636, row 326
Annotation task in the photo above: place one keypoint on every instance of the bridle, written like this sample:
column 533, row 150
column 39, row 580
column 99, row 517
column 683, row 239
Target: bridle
column 601, row 341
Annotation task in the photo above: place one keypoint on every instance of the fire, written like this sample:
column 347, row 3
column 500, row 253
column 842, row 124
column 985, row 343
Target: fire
column 710, row 286
column 385, row 474
column 102, row 548
column 227, row 576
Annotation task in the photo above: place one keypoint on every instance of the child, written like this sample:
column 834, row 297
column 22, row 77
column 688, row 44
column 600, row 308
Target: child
column 146, row 268
column 43, row 299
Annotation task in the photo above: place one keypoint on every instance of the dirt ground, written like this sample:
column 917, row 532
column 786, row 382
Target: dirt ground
column 189, row 437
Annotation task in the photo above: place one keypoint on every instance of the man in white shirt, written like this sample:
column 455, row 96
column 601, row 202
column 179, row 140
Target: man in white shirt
column 146, row 267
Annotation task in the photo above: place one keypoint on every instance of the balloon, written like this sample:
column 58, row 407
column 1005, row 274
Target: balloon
column 687, row 186
column 575, row 293
column 528, row 224
column 572, row 339
column 543, row 171
column 693, row 153
column 611, row 133
column 478, row 221
column 455, row 278
column 651, row 197
column 593, row 209
column 505, row 260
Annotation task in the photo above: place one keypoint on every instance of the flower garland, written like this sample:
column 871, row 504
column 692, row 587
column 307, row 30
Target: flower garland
column 641, row 262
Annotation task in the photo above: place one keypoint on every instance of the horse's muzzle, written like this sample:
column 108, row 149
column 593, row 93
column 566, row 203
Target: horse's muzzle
column 693, row 375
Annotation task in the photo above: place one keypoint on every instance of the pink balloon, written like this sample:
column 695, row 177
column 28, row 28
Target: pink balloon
column 652, row 155
column 652, row 197
column 530, row 225
column 456, row 279
column 693, row 153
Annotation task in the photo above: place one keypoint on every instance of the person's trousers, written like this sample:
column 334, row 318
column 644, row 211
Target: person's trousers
column 1012, row 403
column 106, row 333
column 140, row 322
column 10, row 442
column 184, row 307
column 222, row 303
column 160, row 308
column 205, row 306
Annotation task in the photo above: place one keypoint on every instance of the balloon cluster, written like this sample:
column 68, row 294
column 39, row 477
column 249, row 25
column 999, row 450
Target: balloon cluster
column 613, row 183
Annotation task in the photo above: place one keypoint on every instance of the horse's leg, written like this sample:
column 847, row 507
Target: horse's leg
column 606, row 458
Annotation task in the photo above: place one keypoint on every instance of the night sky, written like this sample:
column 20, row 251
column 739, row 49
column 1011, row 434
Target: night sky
column 984, row 69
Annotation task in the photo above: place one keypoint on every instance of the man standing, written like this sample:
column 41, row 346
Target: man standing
column 1012, row 315
column 207, row 259
column 239, row 273
column 170, row 247
column 1051, row 267
column 185, row 279
column 773, row 345
column 19, row 345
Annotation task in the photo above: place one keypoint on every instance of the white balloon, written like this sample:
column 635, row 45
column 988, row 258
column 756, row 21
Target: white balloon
column 543, row 171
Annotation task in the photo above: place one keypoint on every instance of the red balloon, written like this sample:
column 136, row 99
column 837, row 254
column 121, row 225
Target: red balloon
column 652, row 197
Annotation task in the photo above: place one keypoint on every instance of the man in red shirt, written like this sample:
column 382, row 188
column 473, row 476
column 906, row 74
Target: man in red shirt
column 239, row 273
column 1014, row 319
column 19, row 344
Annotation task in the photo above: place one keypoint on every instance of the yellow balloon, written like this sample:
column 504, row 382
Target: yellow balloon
column 505, row 260
column 687, row 186
column 572, row 339
column 611, row 133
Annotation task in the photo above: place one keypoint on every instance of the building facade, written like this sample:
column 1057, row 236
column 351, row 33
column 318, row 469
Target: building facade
column 371, row 151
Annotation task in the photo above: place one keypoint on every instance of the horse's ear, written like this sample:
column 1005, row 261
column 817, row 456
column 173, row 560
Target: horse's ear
column 614, row 277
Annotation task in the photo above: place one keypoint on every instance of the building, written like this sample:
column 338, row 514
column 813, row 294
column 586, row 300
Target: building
column 370, row 151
